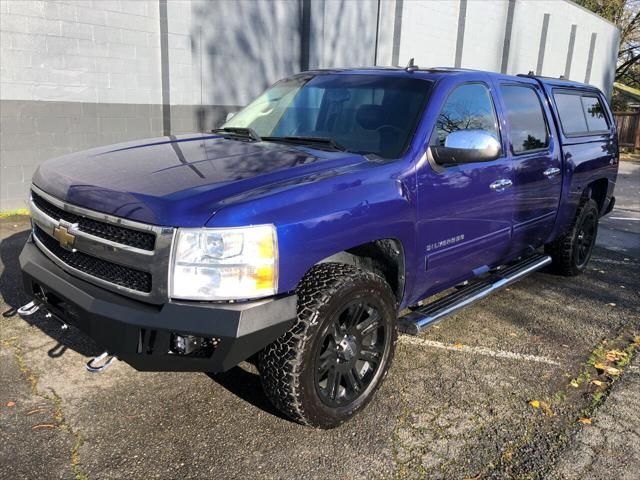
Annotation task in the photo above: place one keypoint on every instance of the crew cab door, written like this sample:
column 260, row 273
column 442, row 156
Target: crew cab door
column 464, row 210
column 534, row 154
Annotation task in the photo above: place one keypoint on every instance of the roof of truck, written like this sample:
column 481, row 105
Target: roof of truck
column 433, row 73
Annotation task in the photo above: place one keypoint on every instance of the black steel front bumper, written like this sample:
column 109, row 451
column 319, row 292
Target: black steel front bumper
column 141, row 334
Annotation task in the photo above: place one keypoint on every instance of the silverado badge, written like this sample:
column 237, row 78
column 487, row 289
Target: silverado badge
column 66, row 239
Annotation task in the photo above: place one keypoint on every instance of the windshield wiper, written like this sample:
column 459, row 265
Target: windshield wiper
column 240, row 132
column 300, row 140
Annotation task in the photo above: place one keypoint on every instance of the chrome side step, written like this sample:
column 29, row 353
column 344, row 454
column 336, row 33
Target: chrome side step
column 416, row 321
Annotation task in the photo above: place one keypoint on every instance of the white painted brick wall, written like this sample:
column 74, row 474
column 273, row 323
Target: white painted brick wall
column 109, row 50
column 527, row 25
column 429, row 32
column 484, row 39
column 80, row 51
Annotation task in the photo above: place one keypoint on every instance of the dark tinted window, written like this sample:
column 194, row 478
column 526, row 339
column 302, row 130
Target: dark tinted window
column 368, row 114
column 594, row 113
column 580, row 114
column 468, row 107
column 570, row 112
column 526, row 118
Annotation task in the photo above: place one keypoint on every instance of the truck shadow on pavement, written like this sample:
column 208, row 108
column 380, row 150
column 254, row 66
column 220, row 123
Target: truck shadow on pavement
column 12, row 291
column 246, row 386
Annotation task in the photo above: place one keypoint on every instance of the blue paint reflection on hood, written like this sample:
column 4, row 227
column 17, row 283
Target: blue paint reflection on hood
column 180, row 181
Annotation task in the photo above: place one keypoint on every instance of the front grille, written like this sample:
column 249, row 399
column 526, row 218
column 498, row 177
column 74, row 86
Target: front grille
column 114, row 233
column 103, row 269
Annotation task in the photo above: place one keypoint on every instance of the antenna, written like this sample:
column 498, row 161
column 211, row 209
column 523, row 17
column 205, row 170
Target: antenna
column 411, row 67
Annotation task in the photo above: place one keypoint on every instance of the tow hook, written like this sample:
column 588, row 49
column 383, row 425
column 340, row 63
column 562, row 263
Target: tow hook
column 29, row 309
column 104, row 357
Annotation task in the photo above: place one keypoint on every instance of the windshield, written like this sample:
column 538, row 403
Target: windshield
column 367, row 114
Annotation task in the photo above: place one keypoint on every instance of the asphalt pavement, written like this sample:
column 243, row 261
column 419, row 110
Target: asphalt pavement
column 620, row 230
column 508, row 388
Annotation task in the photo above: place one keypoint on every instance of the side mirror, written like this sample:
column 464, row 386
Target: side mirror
column 467, row 146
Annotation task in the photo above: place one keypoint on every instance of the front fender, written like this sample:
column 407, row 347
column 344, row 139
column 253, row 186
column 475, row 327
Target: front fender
column 320, row 218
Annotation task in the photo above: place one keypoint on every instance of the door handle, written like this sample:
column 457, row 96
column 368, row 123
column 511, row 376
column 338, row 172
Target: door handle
column 501, row 185
column 551, row 172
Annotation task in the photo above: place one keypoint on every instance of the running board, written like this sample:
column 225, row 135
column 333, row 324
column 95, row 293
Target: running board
column 417, row 320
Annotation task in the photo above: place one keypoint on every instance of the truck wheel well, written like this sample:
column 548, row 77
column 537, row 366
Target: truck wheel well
column 384, row 257
column 598, row 191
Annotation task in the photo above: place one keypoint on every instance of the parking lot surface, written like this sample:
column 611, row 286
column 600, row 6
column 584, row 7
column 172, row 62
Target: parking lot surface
column 502, row 389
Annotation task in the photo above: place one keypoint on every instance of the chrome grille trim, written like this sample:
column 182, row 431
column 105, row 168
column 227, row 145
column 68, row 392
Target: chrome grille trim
column 155, row 262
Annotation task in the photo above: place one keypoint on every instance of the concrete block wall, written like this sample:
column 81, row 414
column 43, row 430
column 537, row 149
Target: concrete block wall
column 80, row 73
column 73, row 75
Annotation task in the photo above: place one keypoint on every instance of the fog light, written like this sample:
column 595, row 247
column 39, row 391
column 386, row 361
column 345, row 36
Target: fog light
column 192, row 345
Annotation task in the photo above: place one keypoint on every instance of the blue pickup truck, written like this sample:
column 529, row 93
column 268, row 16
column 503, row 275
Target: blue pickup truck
column 320, row 221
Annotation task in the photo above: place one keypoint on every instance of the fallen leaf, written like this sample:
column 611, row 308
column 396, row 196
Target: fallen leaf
column 546, row 409
column 597, row 383
column 585, row 421
column 607, row 369
column 40, row 426
column 615, row 355
column 36, row 410
column 458, row 345
column 11, row 404
column 534, row 403
column 574, row 383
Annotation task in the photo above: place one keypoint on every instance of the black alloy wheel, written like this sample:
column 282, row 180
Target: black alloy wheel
column 586, row 239
column 350, row 353
column 572, row 250
column 329, row 364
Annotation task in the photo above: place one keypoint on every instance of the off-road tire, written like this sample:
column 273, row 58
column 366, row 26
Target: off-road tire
column 565, row 249
column 287, row 366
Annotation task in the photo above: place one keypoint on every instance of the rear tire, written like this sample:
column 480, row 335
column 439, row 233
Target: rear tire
column 330, row 363
column 572, row 251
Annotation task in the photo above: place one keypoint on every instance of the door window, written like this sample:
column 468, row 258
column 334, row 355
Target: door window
column 526, row 118
column 468, row 107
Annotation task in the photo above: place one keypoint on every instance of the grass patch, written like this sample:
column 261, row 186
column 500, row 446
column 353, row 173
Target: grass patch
column 19, row 212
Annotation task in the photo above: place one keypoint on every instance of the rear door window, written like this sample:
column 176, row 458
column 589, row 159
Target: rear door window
column 526, row 118
column 580, row 114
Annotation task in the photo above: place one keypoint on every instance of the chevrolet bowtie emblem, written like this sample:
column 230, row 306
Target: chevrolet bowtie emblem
column 62, row 235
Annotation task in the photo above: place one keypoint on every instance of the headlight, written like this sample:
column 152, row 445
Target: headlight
column 225, row 263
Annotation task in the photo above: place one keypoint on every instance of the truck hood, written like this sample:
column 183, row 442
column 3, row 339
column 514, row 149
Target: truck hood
column 181, row 181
